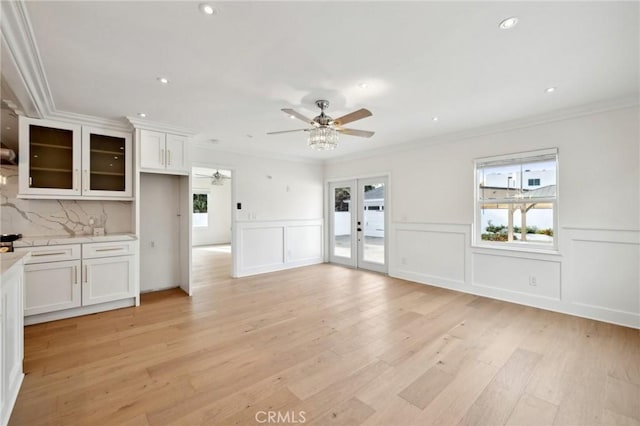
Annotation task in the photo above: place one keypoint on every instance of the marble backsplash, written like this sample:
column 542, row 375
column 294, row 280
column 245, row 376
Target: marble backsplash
column 56, row 217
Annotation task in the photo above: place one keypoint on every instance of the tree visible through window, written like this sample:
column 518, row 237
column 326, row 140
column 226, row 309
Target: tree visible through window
column 516, row 199
column 200, row 210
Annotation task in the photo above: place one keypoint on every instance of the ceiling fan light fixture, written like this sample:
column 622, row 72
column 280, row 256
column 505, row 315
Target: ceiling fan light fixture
column 323, row 138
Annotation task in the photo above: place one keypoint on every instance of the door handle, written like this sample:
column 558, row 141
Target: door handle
column 169, row 156
column 85, row 180
column 359, row 229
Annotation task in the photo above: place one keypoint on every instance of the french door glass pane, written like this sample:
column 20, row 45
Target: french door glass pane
column 373, row 218
column 342, row 222
column 51, row 162
column 107, row 163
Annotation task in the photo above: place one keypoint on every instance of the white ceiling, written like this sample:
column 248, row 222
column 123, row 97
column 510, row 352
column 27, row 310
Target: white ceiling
column 231, row 73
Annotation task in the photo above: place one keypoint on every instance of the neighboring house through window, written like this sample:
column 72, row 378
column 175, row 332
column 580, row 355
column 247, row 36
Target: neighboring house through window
column 516, row 200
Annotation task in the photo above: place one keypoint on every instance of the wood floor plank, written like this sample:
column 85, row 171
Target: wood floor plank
column 345, row 346
column 532, row 411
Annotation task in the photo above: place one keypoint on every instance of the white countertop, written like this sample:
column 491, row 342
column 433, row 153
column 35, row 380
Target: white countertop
column 65, row 239
column 12, row 259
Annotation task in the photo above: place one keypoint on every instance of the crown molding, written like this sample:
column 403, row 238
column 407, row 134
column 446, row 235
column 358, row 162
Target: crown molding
column 140, row 123
column 26, row 73
column 19, row 40
column 546, row 118
column 91, row 120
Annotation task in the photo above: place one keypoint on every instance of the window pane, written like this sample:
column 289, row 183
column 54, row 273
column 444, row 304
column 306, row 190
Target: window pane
column 527, row 180
column 535, row 218
column 373, row 247
column 342, row 222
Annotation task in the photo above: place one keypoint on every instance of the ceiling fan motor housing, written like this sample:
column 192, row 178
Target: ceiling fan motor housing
column 323, row 119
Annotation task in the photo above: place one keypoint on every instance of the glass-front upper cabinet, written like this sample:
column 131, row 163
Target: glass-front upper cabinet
column 106, row 163
column 49, row 158
column 60, row 160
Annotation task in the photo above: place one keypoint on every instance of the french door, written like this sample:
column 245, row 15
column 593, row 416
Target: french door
column 357, row 223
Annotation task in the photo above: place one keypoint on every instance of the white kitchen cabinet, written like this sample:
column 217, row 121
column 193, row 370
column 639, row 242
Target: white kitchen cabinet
column 107, row 279
column 68, row 161
column 52, row 286
column 107, row 165
column 163, row 152
column 49, row 161
column 74, row 279
column 12, row 342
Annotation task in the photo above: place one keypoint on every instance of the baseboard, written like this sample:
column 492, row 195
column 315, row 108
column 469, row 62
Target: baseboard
column 76, row 312
column 626, row 319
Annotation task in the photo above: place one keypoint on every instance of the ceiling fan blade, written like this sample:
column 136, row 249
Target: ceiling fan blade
column 355, row 132
column 287, row 131
column 353, row 116
column 299, row 116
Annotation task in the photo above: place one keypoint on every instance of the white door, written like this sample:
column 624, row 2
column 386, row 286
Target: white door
column 357, row 223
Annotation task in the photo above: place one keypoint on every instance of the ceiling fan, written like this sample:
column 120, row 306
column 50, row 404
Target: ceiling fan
column 324, row 129
column 216, row 179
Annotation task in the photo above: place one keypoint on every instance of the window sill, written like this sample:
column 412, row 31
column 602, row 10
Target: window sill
column 516, row 249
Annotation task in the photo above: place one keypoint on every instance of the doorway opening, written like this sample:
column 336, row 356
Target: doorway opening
column 211, row 233
column 358, row 223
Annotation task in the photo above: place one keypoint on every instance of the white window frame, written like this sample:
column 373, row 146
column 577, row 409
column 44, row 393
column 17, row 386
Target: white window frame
column 528, row 246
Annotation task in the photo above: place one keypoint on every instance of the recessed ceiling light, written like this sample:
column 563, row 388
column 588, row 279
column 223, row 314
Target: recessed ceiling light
column 142, row 114
column 363, row 85
column 163, row 80
column 435, row 118
column 508, row 23
column 207, row 9
column 550, row 89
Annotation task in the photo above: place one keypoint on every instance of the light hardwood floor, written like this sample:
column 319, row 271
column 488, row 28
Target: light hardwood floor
column 328, row 345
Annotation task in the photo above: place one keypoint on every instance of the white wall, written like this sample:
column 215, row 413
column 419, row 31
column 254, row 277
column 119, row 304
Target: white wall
column 280, row 224
column 218, row 230
column 431, row 205
column 159, row 231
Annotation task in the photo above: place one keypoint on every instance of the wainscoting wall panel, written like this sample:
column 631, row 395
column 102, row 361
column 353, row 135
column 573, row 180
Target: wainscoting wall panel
column 428, row 252
column 276, row 245
column 595, row 275
column 602, row 274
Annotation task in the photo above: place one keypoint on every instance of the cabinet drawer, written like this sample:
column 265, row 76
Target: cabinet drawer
column 51, row 253
column 116, row 248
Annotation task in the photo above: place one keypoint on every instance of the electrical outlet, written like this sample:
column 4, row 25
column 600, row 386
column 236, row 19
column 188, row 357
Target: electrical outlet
column 152, row 244
column 533, row 281
column 92, row 220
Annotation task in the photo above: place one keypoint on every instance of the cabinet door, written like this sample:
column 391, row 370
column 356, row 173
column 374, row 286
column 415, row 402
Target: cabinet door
column 12, row 341
column 51, row 287
column 177, row 153
column 49, row 161
column 152, row 150
column 106, row 163
column 107, row 279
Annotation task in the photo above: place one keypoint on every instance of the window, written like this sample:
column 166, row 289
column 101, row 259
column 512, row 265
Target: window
column 516, row 200
column 200, row 210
